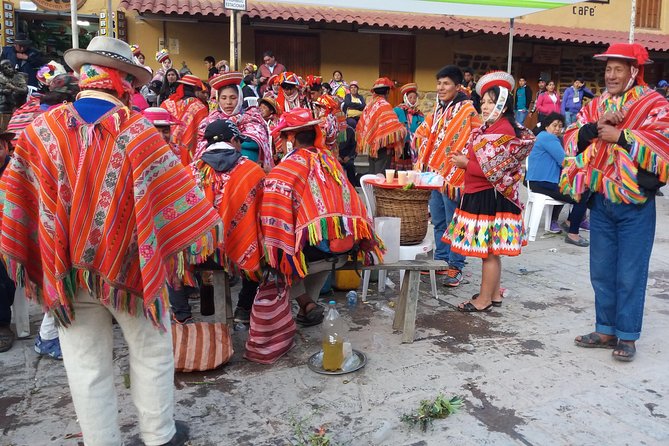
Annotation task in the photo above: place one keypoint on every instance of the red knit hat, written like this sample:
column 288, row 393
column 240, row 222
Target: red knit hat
column 383, row 82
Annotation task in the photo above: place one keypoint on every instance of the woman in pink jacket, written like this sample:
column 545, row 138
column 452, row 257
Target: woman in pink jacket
column 548, row 102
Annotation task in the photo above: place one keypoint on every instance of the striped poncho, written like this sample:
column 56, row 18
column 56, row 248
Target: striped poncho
column 307, row 199
column 447, row 129
column 379, row 127
column 608, row 168
column 104, row 206
column 189, row 113
column 236, row 195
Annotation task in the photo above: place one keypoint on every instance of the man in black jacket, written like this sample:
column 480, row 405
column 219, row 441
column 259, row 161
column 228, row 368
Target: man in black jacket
column 24, row 59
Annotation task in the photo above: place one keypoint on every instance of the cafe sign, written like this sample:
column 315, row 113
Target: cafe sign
column 57, row 5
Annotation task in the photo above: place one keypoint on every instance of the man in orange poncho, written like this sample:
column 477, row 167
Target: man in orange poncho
column 189, row 111
column 311, row 215
column 234, row 186
column 97, row 215
column 446, row 130
column 379, row 133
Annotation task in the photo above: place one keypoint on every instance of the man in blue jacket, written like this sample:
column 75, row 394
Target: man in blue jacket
column 24, row 59
column 572, row 100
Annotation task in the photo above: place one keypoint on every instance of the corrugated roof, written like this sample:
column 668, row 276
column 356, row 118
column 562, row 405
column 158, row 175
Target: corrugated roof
column 283, row 11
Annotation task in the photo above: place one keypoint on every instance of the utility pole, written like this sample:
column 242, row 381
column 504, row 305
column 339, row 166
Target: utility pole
column 633, row 21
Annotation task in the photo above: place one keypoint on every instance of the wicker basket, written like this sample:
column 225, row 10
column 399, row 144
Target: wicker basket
column 410, row 206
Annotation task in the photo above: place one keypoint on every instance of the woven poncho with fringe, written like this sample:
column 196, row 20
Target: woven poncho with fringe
column 236, row 195
column 445, row 130
column 608, row 168
column 104, row 206
column 379, row 127
column 189, row 113
column 307, row 199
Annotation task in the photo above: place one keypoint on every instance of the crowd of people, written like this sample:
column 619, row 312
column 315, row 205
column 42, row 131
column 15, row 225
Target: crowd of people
column 122, row 179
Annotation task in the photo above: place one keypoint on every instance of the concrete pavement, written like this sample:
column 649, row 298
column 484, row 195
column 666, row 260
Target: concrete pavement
column 523, row 380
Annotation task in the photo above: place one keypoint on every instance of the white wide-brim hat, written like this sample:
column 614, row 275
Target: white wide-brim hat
column 108, row 52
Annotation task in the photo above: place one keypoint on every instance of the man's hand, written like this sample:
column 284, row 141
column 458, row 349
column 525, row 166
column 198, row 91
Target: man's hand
column 458, row 159
column 22, row 56
column 262, row 79
column 611, row 118
column 608, row 133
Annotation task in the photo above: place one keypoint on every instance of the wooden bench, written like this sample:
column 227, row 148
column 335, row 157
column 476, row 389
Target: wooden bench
column 407, row 301
column 405, row 308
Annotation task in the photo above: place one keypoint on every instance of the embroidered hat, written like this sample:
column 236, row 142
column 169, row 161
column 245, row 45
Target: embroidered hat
column 628, row 51
column 223, row 130
column 273, row 80
column 219, row 81
column 135, row 50
column 327, row 102
column 295, row 119
column 352, row 83
column 383, row 82
column 65, row 83
column 271, row 103
column 495, row 79
column 290, row 78
column 189, row 79
column 159, row 117
column 251, row 67
column 408, row 88
column 314, row 81
column 108, row 52
column 162, row 55
column 46, row 73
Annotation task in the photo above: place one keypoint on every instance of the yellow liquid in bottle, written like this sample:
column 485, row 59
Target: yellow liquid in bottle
column 333, row 355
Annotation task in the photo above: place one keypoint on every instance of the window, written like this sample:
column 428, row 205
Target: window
column 648, row 13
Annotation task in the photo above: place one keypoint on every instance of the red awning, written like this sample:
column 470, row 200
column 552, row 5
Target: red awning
column 302, row 13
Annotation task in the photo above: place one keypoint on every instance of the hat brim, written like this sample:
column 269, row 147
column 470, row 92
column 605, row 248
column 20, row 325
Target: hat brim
column 604, row 57
column 23, row 42
column 77, row 57
column 268, row 103
column 303, row 126
column 7, row 135
column 163, row 123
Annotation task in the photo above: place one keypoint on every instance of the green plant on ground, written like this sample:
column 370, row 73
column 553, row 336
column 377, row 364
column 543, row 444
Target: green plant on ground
column 303, row 435
column 430, row 410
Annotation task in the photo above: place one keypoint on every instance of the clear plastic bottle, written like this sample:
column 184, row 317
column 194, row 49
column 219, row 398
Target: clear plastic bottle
column 333, row 339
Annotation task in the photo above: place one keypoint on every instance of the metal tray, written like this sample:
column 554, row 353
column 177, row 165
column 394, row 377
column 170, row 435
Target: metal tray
column 356, row 362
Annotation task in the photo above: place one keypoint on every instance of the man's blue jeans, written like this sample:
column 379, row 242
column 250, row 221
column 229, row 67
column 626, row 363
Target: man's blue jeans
column 569, row 118
column 621, row 240
column 521, row 116
column 441, row 210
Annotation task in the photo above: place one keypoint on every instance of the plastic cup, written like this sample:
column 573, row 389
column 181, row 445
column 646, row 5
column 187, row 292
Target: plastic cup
column 402, row 177
column 411, row 176
column 390, row 175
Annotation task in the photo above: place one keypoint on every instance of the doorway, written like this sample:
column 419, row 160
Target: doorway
column 397, row 62
column 532, row 73
column 299, row 53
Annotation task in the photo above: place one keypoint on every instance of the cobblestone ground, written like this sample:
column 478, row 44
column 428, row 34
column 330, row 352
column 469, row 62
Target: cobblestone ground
column 521, row 377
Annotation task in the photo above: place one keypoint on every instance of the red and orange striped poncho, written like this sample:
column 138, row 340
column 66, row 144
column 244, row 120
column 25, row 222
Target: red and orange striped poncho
column 446, row 130
column 307, row 199
column 379, row 127
column 236, row 195
column 105, row 207
column 608, row 168
column 189, row 112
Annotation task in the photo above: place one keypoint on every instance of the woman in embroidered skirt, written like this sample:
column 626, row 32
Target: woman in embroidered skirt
column 488, row 223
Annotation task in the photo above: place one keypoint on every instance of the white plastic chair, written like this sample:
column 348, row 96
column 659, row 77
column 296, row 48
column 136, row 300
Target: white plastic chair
column 536, row 205
column 407, row 252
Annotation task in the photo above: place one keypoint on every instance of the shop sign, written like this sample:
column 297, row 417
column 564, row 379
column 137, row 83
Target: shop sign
column 57, row 5
column 237, row 5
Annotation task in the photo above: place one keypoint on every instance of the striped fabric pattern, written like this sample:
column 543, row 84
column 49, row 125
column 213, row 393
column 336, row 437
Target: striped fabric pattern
column 443, row 132
column 201, row 346
column 608, row 168
column 23, row 116
column 189, row 112
column 104, row 206
column 236, row 195
column 379, row 127
column 273, row 329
